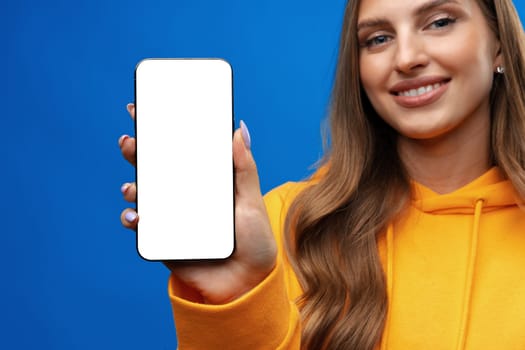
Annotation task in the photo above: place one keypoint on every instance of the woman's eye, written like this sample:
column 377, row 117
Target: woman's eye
column 442, row 22
column 377, row 40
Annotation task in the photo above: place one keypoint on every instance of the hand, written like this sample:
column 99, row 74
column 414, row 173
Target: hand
column 254, row 258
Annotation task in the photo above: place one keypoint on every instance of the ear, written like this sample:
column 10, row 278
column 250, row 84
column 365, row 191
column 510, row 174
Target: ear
column 498, row 57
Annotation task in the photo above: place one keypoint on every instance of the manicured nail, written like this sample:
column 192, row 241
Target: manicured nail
column 130, row 216
column 245, row 135
column 121, row 139
column 124, row 187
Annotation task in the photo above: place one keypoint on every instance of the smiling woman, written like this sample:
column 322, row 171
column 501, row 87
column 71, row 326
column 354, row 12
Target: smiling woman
column 411, row 234
column 430, row 79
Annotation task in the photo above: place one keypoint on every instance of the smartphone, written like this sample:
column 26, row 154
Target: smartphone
column 185, row 180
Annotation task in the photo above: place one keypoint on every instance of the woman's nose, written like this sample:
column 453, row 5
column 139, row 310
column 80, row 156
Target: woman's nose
column 411, row 53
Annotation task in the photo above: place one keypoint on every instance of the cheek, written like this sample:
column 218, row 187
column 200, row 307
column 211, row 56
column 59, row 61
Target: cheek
column 469, row 54
column 365, row 73
column 374, row 75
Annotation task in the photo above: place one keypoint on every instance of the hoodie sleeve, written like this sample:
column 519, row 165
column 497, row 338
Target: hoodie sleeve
column 264, row 318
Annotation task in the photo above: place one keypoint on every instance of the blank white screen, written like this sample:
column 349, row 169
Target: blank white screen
column 184, row 159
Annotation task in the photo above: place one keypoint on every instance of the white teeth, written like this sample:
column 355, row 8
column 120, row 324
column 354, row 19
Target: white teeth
column 419, row 91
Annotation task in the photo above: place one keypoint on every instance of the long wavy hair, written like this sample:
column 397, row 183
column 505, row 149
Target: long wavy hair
column 333, row 226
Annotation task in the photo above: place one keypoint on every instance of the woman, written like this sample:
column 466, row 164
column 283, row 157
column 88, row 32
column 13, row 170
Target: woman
column 410, row 235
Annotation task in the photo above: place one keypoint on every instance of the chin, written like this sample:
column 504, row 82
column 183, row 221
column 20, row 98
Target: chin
column 421, row 133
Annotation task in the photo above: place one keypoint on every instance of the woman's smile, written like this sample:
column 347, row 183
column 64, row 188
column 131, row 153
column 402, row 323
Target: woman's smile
column 419, row 92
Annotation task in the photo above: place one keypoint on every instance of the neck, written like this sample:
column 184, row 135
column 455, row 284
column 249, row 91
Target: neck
column 447, row 163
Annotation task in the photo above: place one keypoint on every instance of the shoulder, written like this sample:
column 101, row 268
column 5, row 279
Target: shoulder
column 279, row 200
column 285, row 194
column 281, row 197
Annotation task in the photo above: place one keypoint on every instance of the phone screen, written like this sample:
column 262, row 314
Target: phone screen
column 185, row 185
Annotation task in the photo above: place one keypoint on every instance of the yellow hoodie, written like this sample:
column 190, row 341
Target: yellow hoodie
column 455, row 268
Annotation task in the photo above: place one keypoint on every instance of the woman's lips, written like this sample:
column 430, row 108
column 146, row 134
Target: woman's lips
column 421, row 98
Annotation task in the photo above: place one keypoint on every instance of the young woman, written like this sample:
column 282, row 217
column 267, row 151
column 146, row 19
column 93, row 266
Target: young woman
column 411, row 235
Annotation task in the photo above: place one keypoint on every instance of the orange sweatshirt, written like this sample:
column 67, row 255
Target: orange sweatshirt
column 455, row 268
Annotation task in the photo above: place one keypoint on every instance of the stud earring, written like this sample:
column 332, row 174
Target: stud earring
column 500, row 69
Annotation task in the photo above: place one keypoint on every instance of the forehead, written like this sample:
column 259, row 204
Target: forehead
column 404, row 8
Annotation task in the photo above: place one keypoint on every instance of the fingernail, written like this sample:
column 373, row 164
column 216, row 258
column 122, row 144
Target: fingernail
column 124, row 187
column 245, row 135
column 121, row 139
column 130, row 216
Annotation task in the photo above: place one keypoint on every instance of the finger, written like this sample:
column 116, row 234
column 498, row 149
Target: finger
column 131, row 110
column 128, row 148
column 129, row 191
column 129, row 218
column 246, row 177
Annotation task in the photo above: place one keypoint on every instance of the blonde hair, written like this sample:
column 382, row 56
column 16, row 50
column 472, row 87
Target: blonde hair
column 333, row 226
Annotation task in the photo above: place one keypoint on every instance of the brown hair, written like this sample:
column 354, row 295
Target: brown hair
column 508, row 92
column 332, row 227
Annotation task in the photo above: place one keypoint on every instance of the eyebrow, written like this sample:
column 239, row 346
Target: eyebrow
column 377, row 22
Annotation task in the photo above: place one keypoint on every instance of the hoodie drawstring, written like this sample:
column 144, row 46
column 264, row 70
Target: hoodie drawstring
column 467, row 297
column 469, row 281
column 389, row 280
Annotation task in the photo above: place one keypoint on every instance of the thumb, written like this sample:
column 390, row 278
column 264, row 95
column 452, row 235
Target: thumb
column 246, row 177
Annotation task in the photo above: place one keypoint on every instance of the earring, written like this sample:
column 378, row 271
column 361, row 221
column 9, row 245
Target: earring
column 500, row 69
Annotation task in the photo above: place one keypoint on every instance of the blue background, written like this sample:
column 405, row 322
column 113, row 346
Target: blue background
column 71, row 277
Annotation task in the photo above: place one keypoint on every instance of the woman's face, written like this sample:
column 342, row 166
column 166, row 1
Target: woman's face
column 427, row 66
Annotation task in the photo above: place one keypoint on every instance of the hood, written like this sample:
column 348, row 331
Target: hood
column 492, row 188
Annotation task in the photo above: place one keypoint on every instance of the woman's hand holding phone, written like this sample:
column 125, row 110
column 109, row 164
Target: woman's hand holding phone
column 222, row 281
